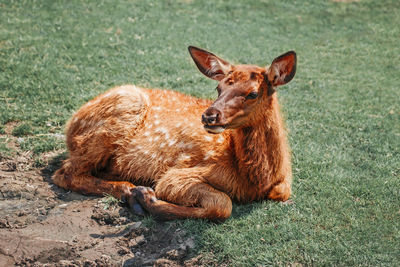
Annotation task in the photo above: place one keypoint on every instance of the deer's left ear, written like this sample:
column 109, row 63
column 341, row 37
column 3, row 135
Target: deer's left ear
column 209, row 64
column 282, row 69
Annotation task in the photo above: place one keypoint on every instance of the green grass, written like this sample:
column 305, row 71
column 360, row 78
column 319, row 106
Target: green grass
column 342, row 108
column 21, row 130
column 109, row 201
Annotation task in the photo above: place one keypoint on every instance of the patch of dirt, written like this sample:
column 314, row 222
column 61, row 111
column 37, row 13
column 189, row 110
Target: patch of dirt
column 43, row 225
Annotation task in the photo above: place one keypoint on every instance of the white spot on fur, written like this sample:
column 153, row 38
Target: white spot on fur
column 171, row 142
column 162, row 145
column 208, row 138
column 189, row 146
column 146, row 98
column 162, row 130
column 221, row 139
column 100, row 123
column 209, row 154
column 184, row 157
column 120, row 106
column 157, row 108
column 145, row 152
column 146, row 133
column 156, row 122
column 178, row 110
column 150, row 126
column 150, row 139
column 156, row 138
column 181, row 145
column 153, row 156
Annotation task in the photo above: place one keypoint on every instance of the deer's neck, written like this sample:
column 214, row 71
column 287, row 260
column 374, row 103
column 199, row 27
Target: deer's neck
column 261, row 149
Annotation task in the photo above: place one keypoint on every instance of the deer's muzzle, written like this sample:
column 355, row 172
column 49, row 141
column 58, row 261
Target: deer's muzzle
column 211, row 120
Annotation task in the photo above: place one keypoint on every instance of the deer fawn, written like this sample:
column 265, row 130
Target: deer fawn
column 196, row 162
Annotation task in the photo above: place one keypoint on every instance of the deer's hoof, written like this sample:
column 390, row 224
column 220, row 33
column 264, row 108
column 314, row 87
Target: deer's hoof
column 137, row 209
column 133, row 203
column 145, row 196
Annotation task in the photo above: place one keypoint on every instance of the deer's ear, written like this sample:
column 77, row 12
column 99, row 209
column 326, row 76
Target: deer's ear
column 282, row 69
column 209, row 64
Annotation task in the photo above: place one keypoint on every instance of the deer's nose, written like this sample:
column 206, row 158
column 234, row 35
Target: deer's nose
column 211, row 116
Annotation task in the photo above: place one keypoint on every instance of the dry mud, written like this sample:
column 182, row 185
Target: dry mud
column 43, row 225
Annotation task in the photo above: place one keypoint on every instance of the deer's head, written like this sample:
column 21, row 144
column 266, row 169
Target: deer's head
column 242, row 89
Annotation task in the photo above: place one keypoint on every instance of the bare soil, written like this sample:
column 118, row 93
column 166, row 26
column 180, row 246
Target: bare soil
column 43, row 225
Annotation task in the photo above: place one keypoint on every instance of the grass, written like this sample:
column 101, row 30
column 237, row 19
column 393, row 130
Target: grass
column 342, row 108
column 109, row 201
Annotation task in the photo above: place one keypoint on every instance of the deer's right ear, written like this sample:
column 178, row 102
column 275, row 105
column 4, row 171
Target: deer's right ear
column 209, row 64
column 282, row 69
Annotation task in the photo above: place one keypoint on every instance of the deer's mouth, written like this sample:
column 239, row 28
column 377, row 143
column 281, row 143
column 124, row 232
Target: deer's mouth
column 214, row 129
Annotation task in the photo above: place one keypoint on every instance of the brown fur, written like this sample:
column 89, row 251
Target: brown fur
column 132, row 136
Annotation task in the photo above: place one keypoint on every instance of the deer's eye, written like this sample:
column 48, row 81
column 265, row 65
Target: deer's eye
column 252, row 95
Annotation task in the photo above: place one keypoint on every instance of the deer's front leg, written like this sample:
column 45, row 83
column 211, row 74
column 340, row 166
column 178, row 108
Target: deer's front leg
column 182, row 193
column 281, row 191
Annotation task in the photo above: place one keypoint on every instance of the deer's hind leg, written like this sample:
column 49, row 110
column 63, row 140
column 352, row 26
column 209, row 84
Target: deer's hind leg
column 84, row 182
column 68, row 177
column 89, row 152
column 183, row 193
